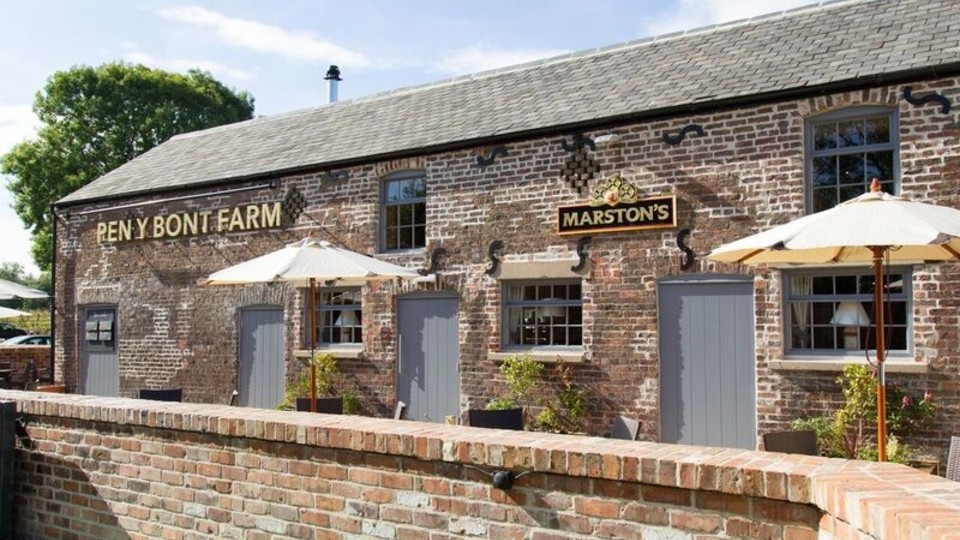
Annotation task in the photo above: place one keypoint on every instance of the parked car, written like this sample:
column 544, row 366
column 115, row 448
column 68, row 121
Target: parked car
column 26, row 340
column 8, row 331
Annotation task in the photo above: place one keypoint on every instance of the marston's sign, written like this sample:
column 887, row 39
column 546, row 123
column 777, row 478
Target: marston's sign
column 224, row 220
column 614, row 206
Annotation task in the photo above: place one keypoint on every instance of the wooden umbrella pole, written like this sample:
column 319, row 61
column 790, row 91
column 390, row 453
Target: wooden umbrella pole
column 881, row 380
column 313, row 344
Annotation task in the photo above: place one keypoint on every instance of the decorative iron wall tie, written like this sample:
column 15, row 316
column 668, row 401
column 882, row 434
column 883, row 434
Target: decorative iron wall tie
column 679, row 137
column 919, row 101
column 582, row 253
column 434, row 262
column 493, row 253
column 689, row 256
column 483, row 162
column 331, row 176
column 579, row 140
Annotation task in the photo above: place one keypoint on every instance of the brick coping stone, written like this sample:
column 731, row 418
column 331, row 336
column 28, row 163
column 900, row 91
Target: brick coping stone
column 884, row 500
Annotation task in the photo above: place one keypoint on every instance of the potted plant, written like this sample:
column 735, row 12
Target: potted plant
column 328, row 375
column 561, row 402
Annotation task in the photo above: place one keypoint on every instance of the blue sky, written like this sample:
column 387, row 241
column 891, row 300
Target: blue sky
column 280, row 50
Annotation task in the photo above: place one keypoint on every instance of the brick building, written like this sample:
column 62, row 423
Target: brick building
column 499, row 187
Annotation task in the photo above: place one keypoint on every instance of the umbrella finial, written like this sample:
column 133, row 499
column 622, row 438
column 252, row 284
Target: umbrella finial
column 875, row 186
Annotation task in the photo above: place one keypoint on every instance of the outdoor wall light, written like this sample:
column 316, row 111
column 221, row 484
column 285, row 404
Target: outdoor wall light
column 502, row 479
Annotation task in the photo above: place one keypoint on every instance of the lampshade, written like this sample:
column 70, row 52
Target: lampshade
column 850, row 313
column 346, row 318
column 553, row 311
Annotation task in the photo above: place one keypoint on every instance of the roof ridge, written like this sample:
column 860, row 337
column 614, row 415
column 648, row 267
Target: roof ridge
column 575, row 55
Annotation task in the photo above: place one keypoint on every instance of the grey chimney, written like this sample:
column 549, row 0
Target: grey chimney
column 332, row 78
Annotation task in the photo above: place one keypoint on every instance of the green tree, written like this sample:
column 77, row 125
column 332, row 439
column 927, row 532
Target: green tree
column 98, row 118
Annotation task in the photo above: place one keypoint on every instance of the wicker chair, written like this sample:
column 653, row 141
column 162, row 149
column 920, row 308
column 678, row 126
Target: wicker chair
column 167, row 394
column 792, row 442
column 953, row 460
column 332, row 405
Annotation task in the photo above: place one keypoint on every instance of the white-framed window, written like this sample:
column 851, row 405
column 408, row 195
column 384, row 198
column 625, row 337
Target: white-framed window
column 830, row 312
column 339, row 317
column 846, row 149
column 541, row 314
column 403, row 211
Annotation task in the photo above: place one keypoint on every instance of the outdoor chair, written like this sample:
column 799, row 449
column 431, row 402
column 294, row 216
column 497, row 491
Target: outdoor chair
column 398, row 412
column 330, row 405
column 166, row 394
column 503, row 419
column 953, row 460
column 792, row 442
column 624, row 428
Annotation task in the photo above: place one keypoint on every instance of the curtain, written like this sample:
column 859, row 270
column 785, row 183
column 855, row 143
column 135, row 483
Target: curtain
column 801, row 286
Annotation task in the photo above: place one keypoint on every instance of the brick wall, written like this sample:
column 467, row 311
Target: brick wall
column 123, row 468
column 744, row 175
column 21, row 355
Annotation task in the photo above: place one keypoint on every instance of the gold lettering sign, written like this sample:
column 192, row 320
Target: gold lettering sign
column 614, row 206
column 225, row 220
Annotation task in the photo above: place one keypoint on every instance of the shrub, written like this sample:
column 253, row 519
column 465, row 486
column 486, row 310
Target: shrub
column 845, row 433
column 562, row 410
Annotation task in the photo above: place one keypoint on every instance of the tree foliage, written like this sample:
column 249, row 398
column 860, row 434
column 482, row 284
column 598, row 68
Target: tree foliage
column 98, row 118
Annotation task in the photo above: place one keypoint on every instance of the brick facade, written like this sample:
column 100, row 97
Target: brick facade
column 745, row 174
column 120, row 468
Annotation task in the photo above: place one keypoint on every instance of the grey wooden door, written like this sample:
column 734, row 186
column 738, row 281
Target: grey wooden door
column 707, row 361
column 262, row 370
column 428, row 363
column 99, row 362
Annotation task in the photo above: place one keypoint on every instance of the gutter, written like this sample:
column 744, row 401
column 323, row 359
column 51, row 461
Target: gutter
column 53, row 299
column 565, row 129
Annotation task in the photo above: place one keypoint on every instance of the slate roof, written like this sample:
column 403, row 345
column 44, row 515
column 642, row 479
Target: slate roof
column 794, row 50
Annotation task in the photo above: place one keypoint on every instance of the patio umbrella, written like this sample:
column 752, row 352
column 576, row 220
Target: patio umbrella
column 304, row 263
column 8, row 313
column 10, row 291
column 867, row 229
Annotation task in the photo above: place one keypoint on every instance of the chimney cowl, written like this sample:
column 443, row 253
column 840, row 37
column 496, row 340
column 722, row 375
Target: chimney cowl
column 333, row 74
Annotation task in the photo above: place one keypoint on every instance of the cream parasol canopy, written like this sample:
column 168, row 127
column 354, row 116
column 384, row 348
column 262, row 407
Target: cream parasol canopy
column 304, row 263
column 872, row 228
column 10, row 291
column 8, row 313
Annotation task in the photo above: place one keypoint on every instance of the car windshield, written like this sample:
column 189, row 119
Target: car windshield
column 26, row 340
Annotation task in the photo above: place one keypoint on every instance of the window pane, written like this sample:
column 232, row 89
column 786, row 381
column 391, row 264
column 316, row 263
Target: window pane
column 576, row 314
column 825, row 171
column 575, row 292
column 560, row 292
column 846, row 284
column 824, row 136
column 543, row 292
column 801, row 337
column 893, row 283
column 823, row 285
column 866, row 284
column 878, row 130
column 406, row 214
column 420, row 188
column 530, row 292
column 851, row 169
column 420, row 213
column 898, row 339
column 824, row 337
column 822, row 312
column 420, row 236
column 406, row 237
column 575, row 336
column 850, row 133
column 824, row 199
column 393, row 191
column 392, row 240
column 880, row 166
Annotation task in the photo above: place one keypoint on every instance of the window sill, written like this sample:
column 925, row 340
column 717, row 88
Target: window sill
column 337, row 352
column 544, row 357
column 836, row 364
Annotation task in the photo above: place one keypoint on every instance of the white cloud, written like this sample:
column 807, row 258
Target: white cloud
column 183, row 65
column 17, row 123
column 256, row 36
column 686, row 14
column 473, row 59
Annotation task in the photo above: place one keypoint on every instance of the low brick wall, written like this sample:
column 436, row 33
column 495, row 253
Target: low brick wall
column 124, row 468
column 18, row 357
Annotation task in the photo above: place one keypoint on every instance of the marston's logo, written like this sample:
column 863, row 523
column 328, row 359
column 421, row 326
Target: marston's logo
column 616, row 206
